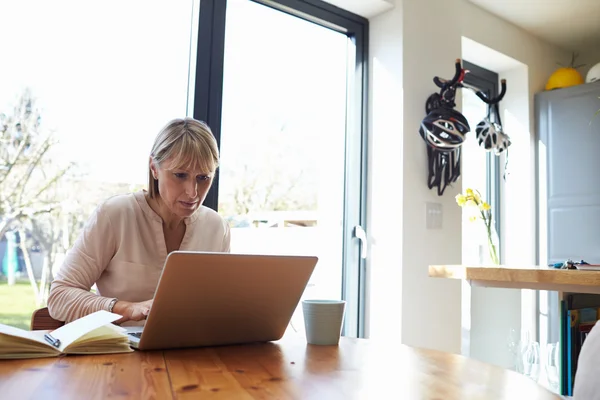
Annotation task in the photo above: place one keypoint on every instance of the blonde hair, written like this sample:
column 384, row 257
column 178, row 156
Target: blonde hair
column 186, row 143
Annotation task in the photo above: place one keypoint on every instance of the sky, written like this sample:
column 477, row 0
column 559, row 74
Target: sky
column 107, row 75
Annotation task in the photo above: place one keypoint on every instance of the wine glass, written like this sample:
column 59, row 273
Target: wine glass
column 530, row 352
column 552, row 365
column 512, row 342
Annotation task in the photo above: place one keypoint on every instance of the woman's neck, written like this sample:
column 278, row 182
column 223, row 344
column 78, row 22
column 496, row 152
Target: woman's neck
column 170, row 220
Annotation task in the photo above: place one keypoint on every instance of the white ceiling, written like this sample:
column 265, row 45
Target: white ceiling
column 570, row 24
column 364, row 8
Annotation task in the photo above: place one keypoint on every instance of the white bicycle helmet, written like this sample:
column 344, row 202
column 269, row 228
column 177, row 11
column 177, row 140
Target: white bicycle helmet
column 486, row 133
column 593, row 74
column 489, row 134
column 491, row 137
column 502, row 144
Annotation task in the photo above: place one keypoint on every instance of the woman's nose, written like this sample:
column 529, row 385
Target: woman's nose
column 192, row 189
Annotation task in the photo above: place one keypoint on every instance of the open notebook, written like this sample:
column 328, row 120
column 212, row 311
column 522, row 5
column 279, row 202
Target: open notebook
column 92, row 334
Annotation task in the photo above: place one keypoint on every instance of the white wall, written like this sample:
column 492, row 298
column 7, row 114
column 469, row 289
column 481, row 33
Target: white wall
column 431, row 307
column 430, row 37
column 385, row 173
column 589, row 57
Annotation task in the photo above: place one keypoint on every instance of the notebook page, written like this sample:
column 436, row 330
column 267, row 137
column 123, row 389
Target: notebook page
column 72, row 331
column 106, row 339
column 36, row 336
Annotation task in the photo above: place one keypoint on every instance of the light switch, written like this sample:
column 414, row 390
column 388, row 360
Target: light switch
column 433, row 215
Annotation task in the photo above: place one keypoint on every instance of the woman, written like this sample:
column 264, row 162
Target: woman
column 586, row 385
column 123, row 247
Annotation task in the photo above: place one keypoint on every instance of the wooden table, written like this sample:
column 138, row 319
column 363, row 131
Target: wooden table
column 287, row 369
column 522, row 277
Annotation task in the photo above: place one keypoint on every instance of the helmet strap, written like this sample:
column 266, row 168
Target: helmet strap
column 505, row 165
column 432, row 166
column 444, row 168
column 497, row 112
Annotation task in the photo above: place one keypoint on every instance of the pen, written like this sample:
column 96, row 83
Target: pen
column 54, row 342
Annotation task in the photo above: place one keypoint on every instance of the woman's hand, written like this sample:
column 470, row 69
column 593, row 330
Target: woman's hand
column 132, row 311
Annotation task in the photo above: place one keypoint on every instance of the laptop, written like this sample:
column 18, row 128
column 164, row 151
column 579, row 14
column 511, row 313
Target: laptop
column 212, row 299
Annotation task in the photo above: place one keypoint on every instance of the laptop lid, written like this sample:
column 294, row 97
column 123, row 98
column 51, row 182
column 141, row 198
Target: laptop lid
column 209, row 299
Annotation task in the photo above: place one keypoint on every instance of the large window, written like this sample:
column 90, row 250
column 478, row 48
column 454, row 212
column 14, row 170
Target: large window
column 89, row 88
column 281, row 83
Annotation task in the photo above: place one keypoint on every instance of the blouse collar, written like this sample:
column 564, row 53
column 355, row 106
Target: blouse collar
column 143, row 203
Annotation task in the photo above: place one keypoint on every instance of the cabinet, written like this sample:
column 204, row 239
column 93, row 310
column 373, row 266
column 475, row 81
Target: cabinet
column 568, row 184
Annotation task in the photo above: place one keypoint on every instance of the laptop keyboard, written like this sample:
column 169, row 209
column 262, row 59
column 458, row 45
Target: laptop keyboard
column 136, row 334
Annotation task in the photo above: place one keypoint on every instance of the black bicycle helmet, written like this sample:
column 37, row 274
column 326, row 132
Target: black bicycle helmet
column 444, row 128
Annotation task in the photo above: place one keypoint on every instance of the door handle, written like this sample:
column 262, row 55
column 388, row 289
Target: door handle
column 360, row 234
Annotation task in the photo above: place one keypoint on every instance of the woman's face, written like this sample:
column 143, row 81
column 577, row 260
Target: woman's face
column 182, row 190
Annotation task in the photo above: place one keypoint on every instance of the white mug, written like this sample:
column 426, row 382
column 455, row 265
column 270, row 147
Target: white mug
column 323, row 321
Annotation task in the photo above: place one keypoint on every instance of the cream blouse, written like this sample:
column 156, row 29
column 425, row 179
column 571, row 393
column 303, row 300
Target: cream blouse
column 122, row 250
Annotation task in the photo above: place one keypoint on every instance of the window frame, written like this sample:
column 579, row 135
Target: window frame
column 488, row 82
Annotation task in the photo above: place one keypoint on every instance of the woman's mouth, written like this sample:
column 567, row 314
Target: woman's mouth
column 188, row 204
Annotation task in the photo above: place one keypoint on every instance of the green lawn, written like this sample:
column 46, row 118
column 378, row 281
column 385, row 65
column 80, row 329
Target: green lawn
column 16, row 304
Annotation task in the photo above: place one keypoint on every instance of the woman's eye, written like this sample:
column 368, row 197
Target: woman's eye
column 203, row 177
column 180, row 175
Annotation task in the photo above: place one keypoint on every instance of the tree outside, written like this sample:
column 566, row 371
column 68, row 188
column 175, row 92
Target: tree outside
column 28, row 195
column 44, row 201
column 256, row 181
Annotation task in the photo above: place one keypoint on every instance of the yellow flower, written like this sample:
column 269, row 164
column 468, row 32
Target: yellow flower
column 471, row 202
column 475, row 208
column 460, row 200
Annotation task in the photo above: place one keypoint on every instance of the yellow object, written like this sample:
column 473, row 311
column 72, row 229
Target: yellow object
column 472, row 200
column 564, row 77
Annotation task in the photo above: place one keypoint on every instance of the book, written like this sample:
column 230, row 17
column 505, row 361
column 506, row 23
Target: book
column 572, row 350
column 92, row 334
column 581, row 313
column 584, row 330
column 588, row 267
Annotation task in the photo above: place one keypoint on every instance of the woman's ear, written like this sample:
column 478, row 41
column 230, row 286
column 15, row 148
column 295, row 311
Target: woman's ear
column 153, row 168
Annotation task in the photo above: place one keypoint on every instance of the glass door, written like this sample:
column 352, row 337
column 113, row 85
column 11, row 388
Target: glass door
column 290, row 180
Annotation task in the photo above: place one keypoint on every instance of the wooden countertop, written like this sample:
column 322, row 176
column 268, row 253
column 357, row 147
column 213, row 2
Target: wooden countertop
column 287, row 369
column 522, row 277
